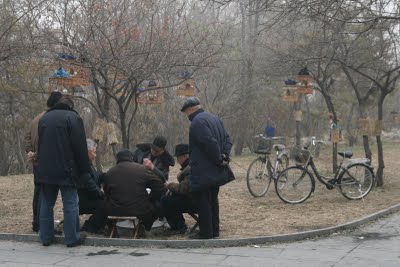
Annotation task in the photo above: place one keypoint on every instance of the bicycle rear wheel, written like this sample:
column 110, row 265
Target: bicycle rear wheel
column 294, row 185
column 258, row 178
column 356, row 181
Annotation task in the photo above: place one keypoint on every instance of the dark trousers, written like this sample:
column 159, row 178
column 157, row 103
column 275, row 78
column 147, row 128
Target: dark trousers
column 208, row 210
column 99, row 219
column 35, row 203
column 173, row 206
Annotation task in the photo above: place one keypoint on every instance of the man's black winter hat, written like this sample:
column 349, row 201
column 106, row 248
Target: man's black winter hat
column 181, row 149
column 159, row 142
column 124, row 155
column 190, row 102
column 54, row 97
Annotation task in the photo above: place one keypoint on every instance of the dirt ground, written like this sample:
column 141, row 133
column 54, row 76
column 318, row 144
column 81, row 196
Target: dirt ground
column 241, row 214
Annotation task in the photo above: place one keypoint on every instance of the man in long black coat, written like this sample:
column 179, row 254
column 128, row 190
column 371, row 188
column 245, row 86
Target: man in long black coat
column 63, row 160
column 209, row 146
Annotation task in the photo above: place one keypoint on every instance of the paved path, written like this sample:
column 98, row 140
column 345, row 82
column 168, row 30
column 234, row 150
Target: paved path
column 376, row 244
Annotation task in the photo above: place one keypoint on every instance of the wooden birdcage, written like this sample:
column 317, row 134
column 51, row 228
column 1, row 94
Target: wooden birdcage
column 335, row 135
column 370, row 127
column 290, row 94
column 185, row 87
column 305, row 90
column 151, row 94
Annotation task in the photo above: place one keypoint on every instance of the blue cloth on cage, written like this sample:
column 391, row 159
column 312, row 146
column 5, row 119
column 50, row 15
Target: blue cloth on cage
column 185, row 74
column 61, row 73
column 290, row 82
column 67, row 56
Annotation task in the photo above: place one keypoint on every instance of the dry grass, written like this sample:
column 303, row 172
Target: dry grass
column 241, row 214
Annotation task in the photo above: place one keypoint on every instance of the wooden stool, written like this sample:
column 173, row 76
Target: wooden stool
column 196, row 218
column 115, row 219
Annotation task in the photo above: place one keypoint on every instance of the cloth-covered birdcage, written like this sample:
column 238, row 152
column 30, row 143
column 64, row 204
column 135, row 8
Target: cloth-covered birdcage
column 99, row 130
column 112, row 134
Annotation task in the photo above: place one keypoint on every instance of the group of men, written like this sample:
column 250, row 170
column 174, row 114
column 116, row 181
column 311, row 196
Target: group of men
column 137, row 185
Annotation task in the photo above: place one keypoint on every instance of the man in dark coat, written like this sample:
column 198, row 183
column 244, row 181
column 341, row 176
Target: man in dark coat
column 178, row 199
column 126, row 195
column 155, row 157
column 63, row 161
column 31, row 145
column 209, row 146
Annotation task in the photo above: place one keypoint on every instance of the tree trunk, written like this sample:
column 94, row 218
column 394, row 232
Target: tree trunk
column 381, row 163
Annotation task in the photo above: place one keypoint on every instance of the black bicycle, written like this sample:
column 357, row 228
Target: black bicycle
column 261, row 170
column 354, row 179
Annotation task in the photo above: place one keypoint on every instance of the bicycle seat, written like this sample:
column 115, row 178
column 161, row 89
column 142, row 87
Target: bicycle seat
column 263, row 151
column 279, row 147
column 346, row 154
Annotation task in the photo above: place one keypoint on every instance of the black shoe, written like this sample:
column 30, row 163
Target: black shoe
column 198, row 236
column 46, row 244
column 179, row 231
column 35, row 228
column 79, row 242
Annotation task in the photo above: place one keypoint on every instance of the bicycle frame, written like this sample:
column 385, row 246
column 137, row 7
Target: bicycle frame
column 329, row 181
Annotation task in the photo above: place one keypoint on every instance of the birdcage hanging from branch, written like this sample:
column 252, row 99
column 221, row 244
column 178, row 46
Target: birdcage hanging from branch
column 290, row 94
column 370, row 127
column 305, row 82
column 186, row 85
column 151, row 94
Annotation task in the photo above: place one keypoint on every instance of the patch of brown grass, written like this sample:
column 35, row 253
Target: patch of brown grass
column 241, row 214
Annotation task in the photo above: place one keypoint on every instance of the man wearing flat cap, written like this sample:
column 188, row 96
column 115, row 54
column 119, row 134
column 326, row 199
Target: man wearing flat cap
column 210, row 146
column 178, row 199
column 155, row 157
column 126, row 195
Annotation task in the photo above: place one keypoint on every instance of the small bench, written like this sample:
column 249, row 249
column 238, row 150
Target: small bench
column 115, row 219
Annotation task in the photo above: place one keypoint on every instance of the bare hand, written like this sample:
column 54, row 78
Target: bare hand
column 149, row 165
column 31, row 156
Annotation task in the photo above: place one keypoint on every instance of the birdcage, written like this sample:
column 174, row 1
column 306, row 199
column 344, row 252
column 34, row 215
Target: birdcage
column 370, row 127
column 151, row 94
column 290, row 94
column 185, row 87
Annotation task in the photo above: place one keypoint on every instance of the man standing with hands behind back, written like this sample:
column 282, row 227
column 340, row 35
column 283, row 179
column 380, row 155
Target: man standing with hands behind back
column 209, row 146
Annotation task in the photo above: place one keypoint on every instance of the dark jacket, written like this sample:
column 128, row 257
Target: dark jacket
column 90, row 193
column 62, row 149
column 161, row 163
column 183, row 185
column 125, row 189
column 208, row 142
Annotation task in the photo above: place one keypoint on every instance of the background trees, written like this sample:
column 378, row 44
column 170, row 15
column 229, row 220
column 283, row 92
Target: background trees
column 238, row 52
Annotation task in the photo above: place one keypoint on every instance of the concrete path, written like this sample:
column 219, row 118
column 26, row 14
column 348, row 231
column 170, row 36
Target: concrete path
column 376, row 244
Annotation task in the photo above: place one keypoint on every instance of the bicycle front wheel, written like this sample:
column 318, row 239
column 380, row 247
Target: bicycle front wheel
column 356, row 181
column 294, row 185
column 258, row 179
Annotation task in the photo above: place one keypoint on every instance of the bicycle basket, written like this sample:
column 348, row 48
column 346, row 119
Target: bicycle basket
column 301, row 156
column 262, row 145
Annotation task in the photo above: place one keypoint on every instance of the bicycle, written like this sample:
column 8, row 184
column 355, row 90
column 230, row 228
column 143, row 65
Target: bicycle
column 261, row 171
column 354, row 179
